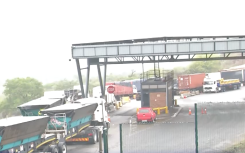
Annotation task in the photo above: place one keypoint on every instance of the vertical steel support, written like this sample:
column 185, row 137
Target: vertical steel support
column 105, row 69
column 120, row 130
column 80, row 77
column 196, row 131
column 100, row 79
column 87, row 79
column 105, row 134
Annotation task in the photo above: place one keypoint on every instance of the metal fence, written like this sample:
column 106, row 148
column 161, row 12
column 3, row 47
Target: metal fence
column 211, row 128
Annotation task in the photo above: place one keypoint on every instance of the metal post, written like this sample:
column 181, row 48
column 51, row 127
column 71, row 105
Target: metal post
column 100, row 142
column 120, row 129
column 87, row 79
column 105, row 69
column 196, row 131
column 80, row 77
column 100, row 79
column 105, row 140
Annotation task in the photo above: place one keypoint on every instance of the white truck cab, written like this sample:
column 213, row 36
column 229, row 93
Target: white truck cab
column 210, row 82
column 135, row 89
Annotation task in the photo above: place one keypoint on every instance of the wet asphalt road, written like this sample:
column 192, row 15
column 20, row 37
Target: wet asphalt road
column 222, row 126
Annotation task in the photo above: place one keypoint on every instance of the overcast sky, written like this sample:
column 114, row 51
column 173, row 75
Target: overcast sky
column 36, row 36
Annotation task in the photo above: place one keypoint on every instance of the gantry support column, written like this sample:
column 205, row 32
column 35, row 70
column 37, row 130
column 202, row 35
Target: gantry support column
column 100, row 79
column 80, row 77
column 105, row 69
column 87, row 78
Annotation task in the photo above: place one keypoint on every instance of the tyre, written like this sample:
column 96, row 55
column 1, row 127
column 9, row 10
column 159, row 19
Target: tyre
column 54, row 149
column 62, row 147
column 46, row 149
column 97, row 133
column 93, row 140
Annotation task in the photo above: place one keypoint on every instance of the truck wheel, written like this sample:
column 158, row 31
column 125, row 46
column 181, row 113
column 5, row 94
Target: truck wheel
column 46, row 149
column 54, row 149
column 62, row 147
column 97, row 134
column 94, row 138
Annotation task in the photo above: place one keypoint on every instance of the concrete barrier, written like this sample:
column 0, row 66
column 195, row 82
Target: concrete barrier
column 161, row 108
column 125, row 100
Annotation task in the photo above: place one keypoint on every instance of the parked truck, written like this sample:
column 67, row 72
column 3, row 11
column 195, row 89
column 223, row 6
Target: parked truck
column 121, row 89
column 51, row 128
column 136, row 87
column 210, row 82
column 110, row 97
column 234, row 74
column 191, row 82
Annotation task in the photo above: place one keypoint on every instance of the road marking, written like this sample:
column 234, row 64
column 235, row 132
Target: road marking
column 175, row 114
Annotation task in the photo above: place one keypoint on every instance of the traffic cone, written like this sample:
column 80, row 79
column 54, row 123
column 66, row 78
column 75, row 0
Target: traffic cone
column 189, row 111
column 202, row 110
column 205, row 111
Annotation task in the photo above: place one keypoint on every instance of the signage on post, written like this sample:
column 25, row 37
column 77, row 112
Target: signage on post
column 111, row 89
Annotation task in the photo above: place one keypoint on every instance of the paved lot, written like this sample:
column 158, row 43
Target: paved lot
column 222, row 126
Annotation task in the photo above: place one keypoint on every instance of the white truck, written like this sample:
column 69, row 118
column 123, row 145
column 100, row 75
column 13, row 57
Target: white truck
column 110, row 98
column 210, row 82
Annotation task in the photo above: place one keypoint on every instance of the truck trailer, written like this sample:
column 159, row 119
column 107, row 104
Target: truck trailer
column 233, row 74
column 53, row 127
column 121, row 89
column 26, row 134
column 191, row 82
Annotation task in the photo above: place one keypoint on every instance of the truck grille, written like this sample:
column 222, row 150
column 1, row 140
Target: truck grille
column 208, row 88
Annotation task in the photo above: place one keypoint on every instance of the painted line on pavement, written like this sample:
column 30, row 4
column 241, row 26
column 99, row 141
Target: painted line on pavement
column 175, row 114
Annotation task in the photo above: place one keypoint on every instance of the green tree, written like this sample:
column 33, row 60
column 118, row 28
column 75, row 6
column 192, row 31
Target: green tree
column 61, row 85
column 20, row 90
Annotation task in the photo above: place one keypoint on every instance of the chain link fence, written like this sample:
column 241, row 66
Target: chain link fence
column 216, row 128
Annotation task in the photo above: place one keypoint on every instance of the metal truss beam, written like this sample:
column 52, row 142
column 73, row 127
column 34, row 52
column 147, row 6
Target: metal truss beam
column 171, row 58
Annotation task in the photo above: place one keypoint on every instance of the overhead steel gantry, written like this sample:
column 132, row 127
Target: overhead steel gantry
column 151, row 50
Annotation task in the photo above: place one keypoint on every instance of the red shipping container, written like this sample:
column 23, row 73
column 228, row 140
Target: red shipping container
column 191, row 81
column 121, row 90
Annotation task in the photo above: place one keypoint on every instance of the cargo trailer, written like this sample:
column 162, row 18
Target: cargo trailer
column 136, row 87
column 74, row 120
column 191, row 82
column 234, row 74
column 26, row 134
column 121, row 89
column 32, row 108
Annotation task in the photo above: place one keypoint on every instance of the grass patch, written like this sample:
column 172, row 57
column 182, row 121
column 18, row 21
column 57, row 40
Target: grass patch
column 237, row 148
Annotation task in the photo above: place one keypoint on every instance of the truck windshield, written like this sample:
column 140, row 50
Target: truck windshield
column 208, row 82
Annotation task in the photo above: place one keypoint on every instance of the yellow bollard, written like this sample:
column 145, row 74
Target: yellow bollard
column 120, row 104
column 166, row 110
column 158, row 111
column 175, row 102
column 137, row 110
column 117, row 105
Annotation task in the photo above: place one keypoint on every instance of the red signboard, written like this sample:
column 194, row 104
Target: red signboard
column 110, row 89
